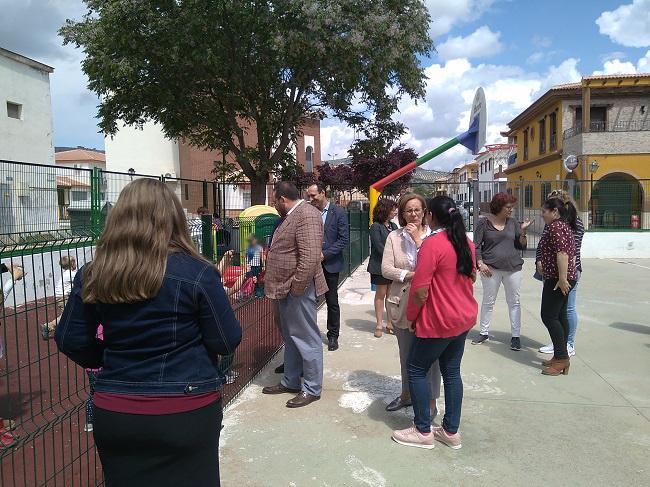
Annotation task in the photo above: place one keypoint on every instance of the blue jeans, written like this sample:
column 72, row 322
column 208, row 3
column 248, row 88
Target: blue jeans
column 449, row 353
column 572, row 314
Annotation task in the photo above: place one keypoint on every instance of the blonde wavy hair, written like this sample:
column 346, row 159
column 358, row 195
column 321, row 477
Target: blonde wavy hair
column 146, row 224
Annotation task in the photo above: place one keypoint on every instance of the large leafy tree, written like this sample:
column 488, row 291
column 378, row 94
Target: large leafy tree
column 369, row 168
column 244, row 74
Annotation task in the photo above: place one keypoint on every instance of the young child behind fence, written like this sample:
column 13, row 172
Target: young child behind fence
column 61, row 292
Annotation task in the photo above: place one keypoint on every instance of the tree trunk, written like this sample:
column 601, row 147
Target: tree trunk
column 258, row 191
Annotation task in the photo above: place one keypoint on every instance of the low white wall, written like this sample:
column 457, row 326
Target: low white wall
column 613, row 245
column 616, row 245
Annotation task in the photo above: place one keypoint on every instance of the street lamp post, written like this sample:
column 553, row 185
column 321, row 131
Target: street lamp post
column 593, row 167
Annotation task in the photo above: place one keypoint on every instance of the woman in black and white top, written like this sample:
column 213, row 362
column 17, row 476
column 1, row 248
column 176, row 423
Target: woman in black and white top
column 578, row 228
column 499, row 240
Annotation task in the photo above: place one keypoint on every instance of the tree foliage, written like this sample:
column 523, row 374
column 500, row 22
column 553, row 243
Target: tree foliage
column 340, row 177
column 244, row 74
column 369, row 169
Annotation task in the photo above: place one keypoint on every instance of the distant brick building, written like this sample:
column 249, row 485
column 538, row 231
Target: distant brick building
column 149, row 152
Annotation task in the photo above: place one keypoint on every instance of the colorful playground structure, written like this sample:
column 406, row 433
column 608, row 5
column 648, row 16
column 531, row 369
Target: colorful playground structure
column 473, row 139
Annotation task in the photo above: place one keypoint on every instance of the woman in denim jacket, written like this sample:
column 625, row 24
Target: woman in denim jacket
column 166, row 319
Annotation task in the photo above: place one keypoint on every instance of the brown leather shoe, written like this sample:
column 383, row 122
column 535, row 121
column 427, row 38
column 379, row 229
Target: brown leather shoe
column 558, row 367
column 279, row 389
column 301, row 400
column 548, row 363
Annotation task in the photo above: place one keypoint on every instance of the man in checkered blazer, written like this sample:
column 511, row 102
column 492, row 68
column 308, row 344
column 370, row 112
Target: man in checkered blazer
column 294, row 278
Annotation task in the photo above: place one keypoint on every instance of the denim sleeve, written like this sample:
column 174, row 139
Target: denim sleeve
column 220, row 328
column 76, row 334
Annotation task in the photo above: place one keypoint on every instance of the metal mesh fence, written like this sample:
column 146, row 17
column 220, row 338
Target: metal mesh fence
column 42, row 394
column 613, row 203
column 50, row 213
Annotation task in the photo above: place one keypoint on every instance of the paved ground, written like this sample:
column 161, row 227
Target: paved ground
column 589, row 428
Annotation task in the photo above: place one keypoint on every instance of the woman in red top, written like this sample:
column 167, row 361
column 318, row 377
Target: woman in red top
column 557, row 255
column 443, row 309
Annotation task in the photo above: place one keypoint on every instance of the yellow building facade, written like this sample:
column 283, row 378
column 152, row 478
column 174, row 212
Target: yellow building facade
column 611, row 142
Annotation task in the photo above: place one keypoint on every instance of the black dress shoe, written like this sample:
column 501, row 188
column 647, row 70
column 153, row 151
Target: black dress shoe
column 333, row 344
column 279, row 389
column 398, row 404
column 279, row 369
column 301, row 400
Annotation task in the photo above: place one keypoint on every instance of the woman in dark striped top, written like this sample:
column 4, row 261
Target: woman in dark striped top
column 578, row 228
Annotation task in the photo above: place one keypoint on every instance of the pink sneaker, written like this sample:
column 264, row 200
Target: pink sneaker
column 452, row 441
column 412, row 437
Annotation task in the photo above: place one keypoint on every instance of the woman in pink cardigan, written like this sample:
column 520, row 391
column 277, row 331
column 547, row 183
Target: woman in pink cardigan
column 398, row 266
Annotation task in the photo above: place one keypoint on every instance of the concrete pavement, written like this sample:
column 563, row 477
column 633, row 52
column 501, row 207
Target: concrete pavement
column 589, row 428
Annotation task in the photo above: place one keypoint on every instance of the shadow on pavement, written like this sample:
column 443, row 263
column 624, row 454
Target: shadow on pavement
column 500, row 343
column 362, row 325
column 633, row 327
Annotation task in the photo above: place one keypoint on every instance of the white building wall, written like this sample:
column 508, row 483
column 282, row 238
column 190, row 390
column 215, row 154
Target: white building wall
column 147, row 151
column 82, row 164
column 30, row 138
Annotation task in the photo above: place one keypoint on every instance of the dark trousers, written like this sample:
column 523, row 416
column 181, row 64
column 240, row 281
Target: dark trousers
column 449, row 353
column 169, row 450
column 333, row 308
column 554, row 316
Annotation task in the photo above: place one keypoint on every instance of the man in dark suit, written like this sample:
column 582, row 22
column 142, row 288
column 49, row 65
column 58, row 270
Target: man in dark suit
column 335, row 240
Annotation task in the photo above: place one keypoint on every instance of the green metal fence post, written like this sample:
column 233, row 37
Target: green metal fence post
column 95, row 186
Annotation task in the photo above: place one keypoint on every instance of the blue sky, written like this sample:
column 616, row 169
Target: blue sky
column 515, row 49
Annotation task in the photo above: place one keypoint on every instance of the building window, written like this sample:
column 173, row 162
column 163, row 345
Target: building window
column 79, row 195
column 553, row 127
column 14, row 110
column 309, row 159
column 542, row 136
column 544, row 191
column 526, row 145
column 63, row 201
column 528, row 196
column 187, row 191
column 486, row 196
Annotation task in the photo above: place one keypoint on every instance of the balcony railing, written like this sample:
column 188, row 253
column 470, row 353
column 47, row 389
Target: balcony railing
column 626, row 126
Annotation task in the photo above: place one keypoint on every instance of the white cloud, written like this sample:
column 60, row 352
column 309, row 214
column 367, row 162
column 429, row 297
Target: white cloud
column 612, row 55
column 335, row 141
column 446, row 14
column 483, row 42
column 541, row 42
column 628, row 25
column 540, row 57
column 536, row 57
column 643, row 66
column 616, row 66
column 449, row 92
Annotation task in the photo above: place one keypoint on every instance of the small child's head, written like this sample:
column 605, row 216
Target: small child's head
column 252, row 240
column 68, row 263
